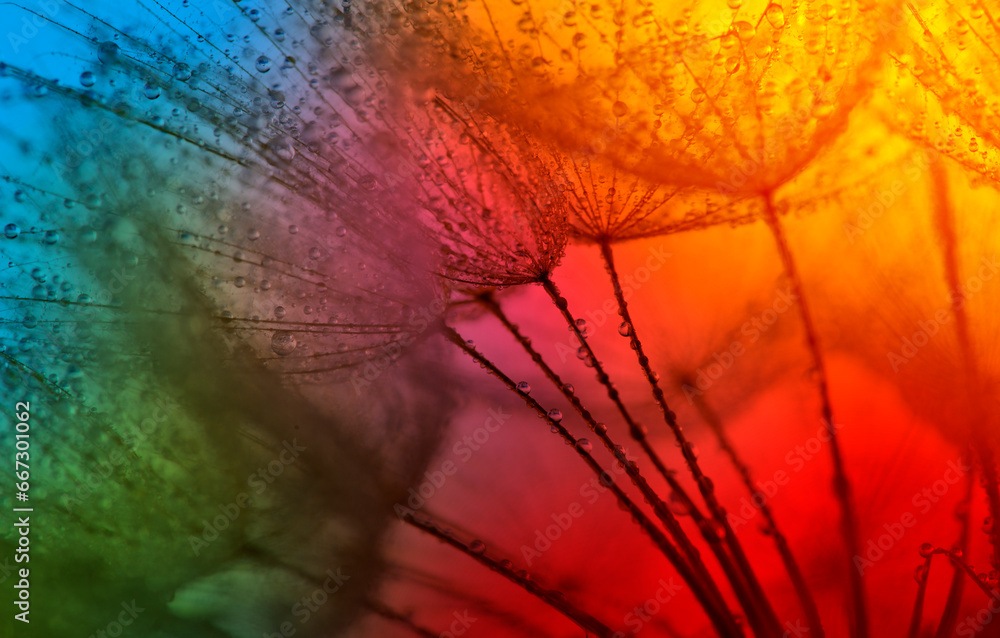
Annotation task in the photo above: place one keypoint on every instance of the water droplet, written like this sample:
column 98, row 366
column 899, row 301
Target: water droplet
column 279, row 312
column 712, row 527
column 920, row 573
column 182, row 72
column 92, row 201
column 775, row 14
column 690, row 450
column 601, row 428
column 926, row 549
column 263, row 64
column 584, row 444
column 253, row 234
column 624, row 329
column 314, row 253
column 51, row 237
column 706, row 484
column 11, row 231
column 477, row 547
column 87, row 78
column 555, row 414
column 341, row 231
column 282, row 148
column 678, row 505
column 107, row 52
column 283, row 343
column 151, row 91
column 745, row 31
column 239, row 282
column 524, row 387
column 620, row 109
column 734, row 4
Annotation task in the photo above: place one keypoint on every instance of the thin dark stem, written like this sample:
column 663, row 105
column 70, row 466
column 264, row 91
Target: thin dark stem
column 841, row 484
column 969, row 571
column 781, row 543
column 636, row 431
column 918, row 605
column 760, row 613
column 401, row 618
column 982, row 442
column 506, row 569
column 708, row 594
column 660, row 508
column 949, row 617
column 738, row 573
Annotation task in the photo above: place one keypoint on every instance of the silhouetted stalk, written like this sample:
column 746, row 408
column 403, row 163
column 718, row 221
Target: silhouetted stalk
column 949, row 617
column 506, row 569
column 961, row 568
column 392, row 615
column 969, row 571
column 945, row 219
column 636, row 431
column 736, row 575
column 461, row 594
column 841, row 484
column 924, row 572
column 781, row 543
column 764, row 620
column 660, row 508
column 707, row 593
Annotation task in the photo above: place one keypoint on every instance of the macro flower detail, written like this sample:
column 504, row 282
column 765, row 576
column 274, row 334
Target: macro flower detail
column 498, row 319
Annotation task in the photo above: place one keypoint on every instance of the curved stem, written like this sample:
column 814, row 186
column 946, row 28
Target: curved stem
column 944, row 218
column 760, row 613
column 636, row 431
column 520, row 578
column 708, row 594
column 949, row 617
column 397, row 617
column 660, row 508
column 841, row 485
column 781, row 543
column 918, row 605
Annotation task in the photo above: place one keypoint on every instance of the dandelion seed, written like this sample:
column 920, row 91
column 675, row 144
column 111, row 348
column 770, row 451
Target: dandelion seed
column 260, row 222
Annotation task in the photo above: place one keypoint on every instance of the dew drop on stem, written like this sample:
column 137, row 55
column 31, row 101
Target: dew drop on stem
column 283, row 343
